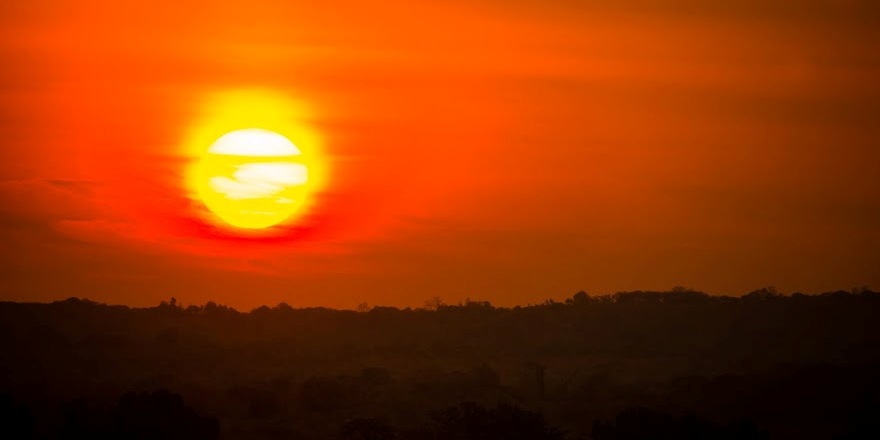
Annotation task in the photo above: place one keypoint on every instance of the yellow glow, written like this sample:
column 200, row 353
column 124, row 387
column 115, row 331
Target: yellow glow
column 250, row 174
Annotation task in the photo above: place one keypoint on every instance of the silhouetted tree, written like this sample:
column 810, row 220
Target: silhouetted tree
column 762, row 294
column 470, row 304
column 434, row 303
column 683, row 295
column 580, row 298
column 283, row 307
column 212, row 308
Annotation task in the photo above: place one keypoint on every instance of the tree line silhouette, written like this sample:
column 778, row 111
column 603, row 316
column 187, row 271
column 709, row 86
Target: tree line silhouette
column 637, row 365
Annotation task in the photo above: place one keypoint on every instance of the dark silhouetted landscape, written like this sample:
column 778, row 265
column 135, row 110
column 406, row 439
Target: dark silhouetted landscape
column 633, row 365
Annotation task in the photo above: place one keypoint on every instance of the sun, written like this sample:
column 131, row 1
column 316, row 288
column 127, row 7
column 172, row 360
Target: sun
column 256, row 162
column 252, row 178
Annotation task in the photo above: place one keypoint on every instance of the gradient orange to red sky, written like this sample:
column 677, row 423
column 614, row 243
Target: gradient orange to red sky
column 510, row 151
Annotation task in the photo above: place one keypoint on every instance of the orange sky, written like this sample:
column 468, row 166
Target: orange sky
column 509, row 151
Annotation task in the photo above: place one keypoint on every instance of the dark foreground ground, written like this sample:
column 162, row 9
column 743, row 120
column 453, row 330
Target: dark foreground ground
column 636, row 365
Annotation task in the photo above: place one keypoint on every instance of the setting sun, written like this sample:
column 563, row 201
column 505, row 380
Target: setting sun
column 254, row 160
column 251, row 178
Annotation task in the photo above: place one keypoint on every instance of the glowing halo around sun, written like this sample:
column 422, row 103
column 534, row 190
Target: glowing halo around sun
column 247, row 170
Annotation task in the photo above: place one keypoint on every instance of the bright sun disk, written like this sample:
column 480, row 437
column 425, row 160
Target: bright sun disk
column 252, row 178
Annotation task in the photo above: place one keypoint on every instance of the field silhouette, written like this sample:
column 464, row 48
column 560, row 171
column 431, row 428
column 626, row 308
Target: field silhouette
column 633, row 365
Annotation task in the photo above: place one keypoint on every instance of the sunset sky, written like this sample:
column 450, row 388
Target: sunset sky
column 510, row 151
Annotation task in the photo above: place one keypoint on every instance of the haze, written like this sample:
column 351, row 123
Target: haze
column 503, row 151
